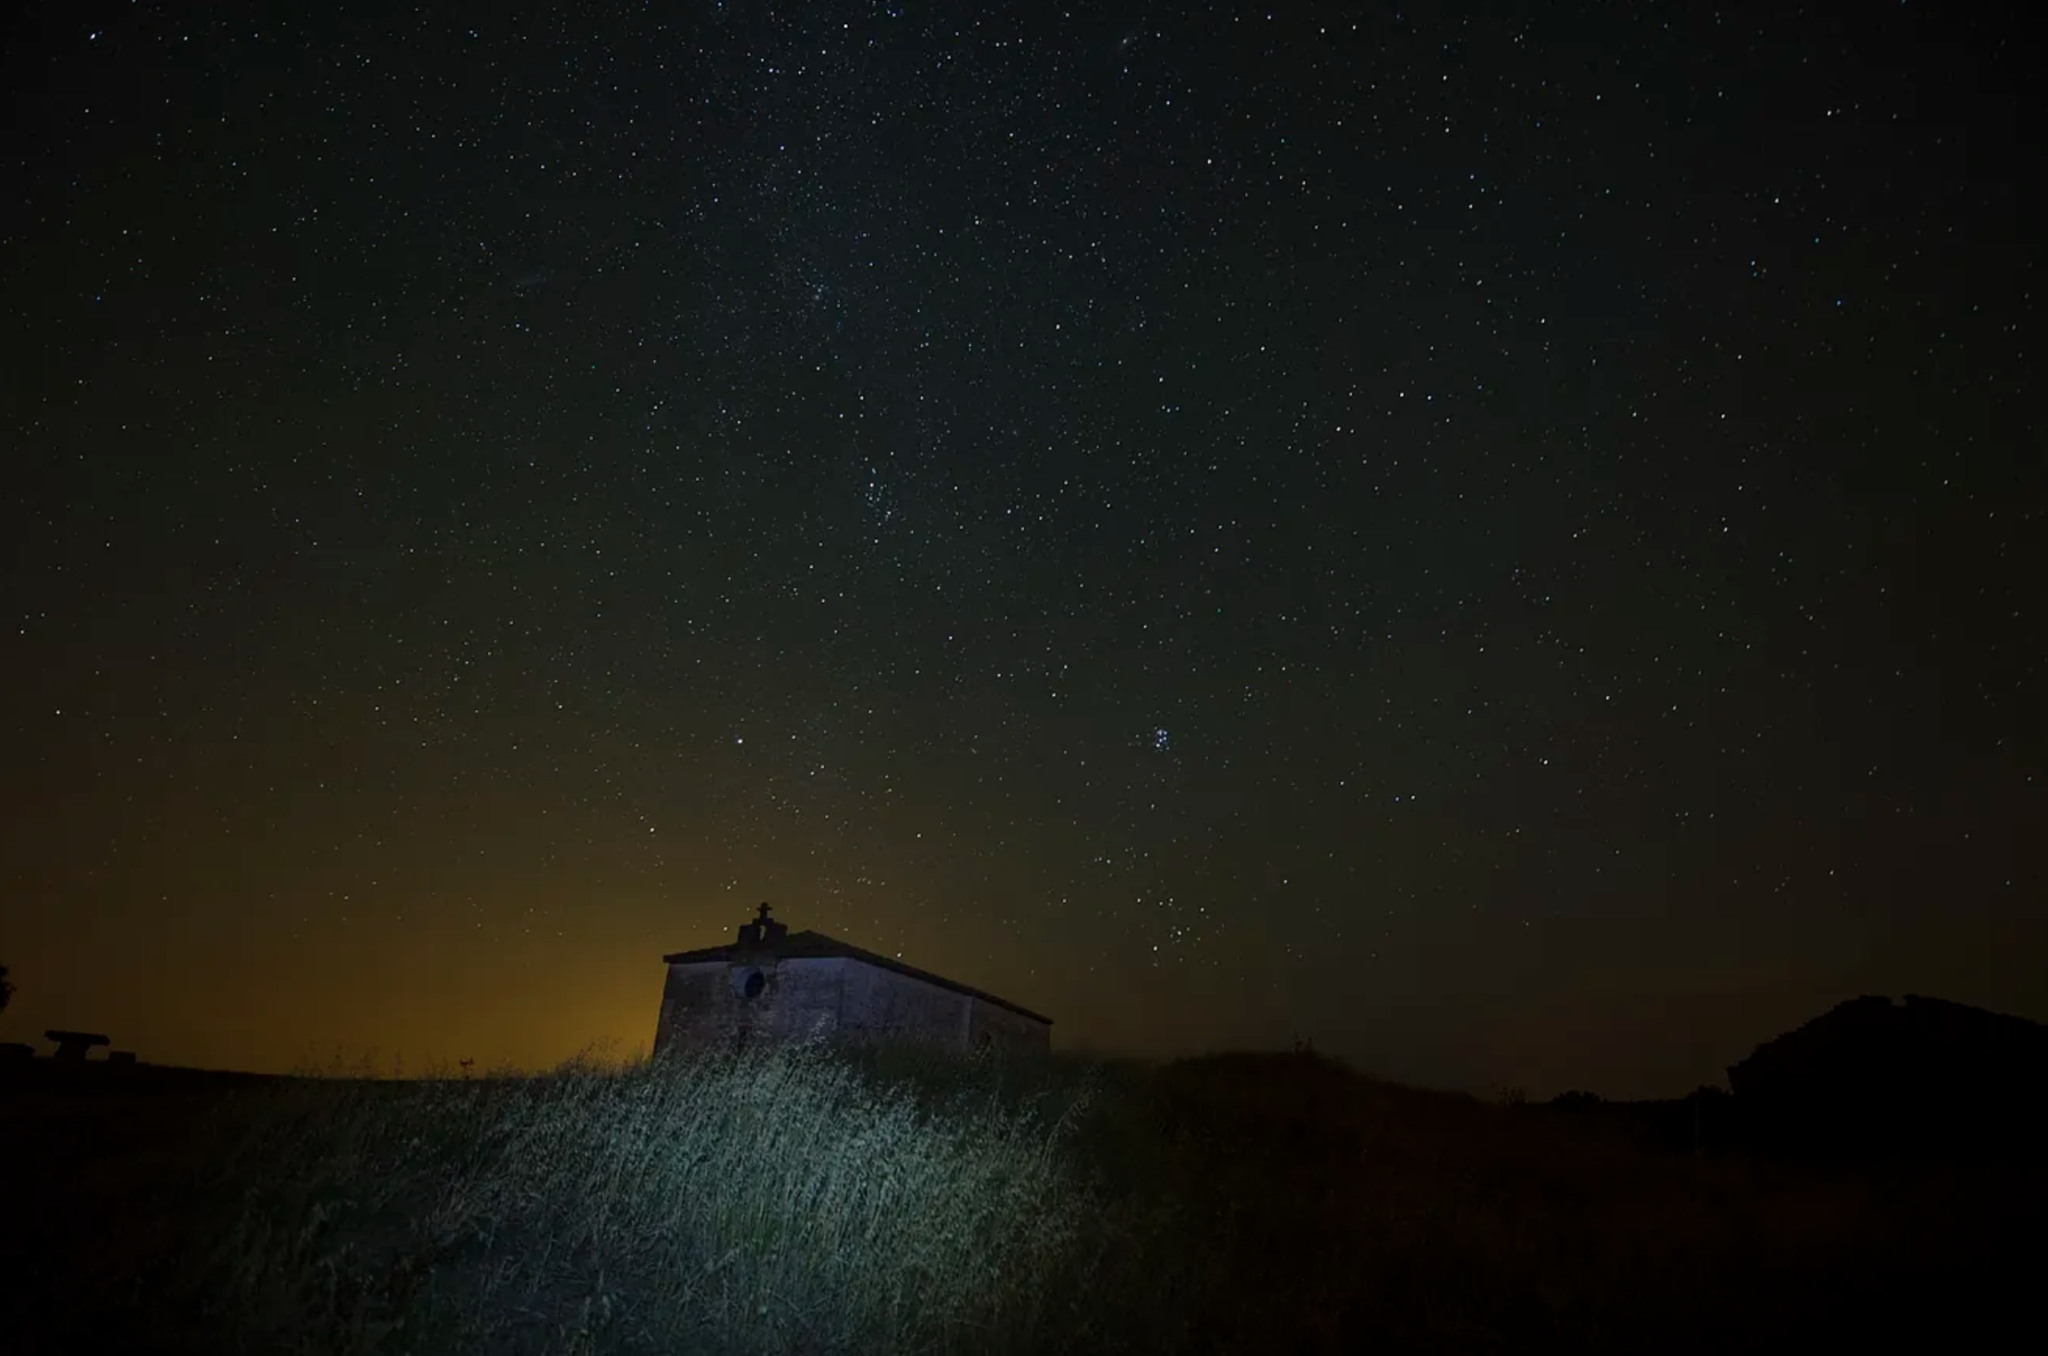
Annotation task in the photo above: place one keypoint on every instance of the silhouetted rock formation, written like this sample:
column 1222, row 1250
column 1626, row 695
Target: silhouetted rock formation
column 1871, row 1075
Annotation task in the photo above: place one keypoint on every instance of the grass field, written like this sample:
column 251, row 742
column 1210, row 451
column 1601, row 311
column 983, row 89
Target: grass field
column 813, row 1201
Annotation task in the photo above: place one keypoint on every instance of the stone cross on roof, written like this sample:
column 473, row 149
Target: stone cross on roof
column 763, row 930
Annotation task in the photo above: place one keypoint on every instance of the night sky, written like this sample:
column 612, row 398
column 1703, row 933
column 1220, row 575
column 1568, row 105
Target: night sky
column 1507, row 542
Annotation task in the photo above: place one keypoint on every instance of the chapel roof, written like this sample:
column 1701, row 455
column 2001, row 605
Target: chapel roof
column 765, row 940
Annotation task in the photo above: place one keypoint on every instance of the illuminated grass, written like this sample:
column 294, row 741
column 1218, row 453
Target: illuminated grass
column 816, row 1201
column 775, row 1201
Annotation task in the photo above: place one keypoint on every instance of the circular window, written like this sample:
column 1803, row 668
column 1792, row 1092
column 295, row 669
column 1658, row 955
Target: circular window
column 749, row 983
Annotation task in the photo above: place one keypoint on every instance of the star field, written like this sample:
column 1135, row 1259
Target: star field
column 1507, row 542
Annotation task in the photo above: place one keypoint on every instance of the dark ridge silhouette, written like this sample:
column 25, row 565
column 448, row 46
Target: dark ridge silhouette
column 1926, row 1078
column 120, row 1074
column 1578, row 1100
column 1871, row 1076
column 1704, row 1121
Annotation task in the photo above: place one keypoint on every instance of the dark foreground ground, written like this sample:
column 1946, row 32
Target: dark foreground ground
column 814, row 1202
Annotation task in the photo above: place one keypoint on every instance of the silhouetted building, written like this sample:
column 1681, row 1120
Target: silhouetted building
column 773, row 984
column 1925, row 1074
column 72, row 1045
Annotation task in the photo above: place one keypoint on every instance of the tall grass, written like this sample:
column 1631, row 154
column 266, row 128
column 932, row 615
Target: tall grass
column 811, row 1200
column 780, row 1200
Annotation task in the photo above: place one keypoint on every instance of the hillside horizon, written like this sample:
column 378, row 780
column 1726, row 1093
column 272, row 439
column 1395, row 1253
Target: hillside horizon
column 380, row 1066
